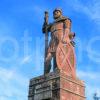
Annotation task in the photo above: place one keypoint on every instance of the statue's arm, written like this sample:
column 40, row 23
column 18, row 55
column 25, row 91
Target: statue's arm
column 68, row 26
column 70, row 34
column 68, row 23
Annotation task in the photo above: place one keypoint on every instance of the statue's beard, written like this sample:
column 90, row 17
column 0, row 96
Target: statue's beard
column 57, row 17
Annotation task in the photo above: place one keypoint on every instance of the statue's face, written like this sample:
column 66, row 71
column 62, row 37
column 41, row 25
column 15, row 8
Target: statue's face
column 57, row 14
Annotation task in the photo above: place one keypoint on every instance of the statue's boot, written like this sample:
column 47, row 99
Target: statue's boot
column 47, row 67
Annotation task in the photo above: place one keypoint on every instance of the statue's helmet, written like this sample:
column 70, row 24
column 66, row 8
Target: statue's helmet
column 58, row 9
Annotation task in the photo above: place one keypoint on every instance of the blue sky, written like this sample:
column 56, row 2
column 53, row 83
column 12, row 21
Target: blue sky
column 22, row 43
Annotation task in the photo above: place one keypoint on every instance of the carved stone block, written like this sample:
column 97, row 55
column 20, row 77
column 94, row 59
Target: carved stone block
column 56, row 86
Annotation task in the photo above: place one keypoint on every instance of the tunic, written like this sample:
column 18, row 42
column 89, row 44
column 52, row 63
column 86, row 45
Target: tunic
column 60, row 30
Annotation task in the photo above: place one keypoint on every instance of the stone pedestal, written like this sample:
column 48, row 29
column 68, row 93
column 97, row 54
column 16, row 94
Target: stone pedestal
column 56, row 86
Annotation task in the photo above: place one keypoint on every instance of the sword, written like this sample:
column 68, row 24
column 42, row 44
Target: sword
column 46, row 36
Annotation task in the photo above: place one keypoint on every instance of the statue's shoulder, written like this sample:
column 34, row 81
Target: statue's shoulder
column 66, row 18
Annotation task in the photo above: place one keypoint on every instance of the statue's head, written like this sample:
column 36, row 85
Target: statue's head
column 57, row 13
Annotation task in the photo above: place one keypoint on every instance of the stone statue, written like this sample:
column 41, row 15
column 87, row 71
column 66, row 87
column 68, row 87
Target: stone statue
column 61, row 42
column 62, row 83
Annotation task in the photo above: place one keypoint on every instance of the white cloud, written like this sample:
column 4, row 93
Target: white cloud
column 91, row 82
column 92, row 9
column 89, row 75
column 26, row 59
column 13, row 86
column 92, row 53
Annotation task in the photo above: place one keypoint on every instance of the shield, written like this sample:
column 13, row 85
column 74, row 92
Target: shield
column 65, row 58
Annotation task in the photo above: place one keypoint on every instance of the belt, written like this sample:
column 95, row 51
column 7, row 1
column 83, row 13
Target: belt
column 56, row 30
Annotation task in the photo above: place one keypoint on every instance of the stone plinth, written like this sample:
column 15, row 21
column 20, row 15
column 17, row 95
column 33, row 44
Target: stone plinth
column 56, row 86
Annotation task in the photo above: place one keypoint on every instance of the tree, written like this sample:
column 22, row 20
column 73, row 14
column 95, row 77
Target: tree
column 96, row 97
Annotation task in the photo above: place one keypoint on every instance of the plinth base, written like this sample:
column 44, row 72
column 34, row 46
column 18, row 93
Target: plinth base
column 56, row 86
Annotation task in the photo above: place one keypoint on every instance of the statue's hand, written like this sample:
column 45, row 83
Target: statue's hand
column 64, row 42
column 72, row 43
column 71, row 35
column 46, row 28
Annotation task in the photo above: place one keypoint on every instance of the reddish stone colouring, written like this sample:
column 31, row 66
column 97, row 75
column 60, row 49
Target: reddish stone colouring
column 62, row 83
column 56, row 86
column 71, row 89
column 65, row 57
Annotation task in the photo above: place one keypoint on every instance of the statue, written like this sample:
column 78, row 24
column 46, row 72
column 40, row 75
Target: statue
column 62, row 83
column 61, row 45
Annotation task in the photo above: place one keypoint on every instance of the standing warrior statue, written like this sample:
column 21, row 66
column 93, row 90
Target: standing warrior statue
column 61, row 45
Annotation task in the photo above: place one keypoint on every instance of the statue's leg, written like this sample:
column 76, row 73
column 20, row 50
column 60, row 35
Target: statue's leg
column 54, row 63
column 48, row 63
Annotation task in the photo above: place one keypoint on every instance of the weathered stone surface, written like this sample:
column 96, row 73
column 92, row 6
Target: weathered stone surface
column 66, row 59
column 56, row 86
column 62, row 83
